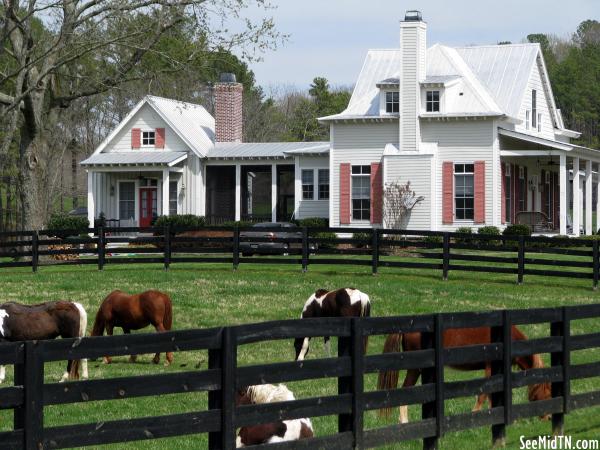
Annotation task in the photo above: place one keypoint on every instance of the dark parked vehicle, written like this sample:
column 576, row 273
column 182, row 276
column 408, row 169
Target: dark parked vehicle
column 271, row 241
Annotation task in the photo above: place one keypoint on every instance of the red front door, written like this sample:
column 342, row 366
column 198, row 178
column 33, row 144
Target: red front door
column 148, row 210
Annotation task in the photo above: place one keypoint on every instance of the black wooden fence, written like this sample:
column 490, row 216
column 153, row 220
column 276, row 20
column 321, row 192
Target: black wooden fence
column 30, row 395
column 443, row 251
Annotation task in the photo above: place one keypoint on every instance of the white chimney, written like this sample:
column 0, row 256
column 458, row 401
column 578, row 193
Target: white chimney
column 413, row 51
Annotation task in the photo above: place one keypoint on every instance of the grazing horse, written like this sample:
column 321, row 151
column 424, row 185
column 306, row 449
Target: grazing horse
column 133, row 312
column 345, row 302
column 44, row 321
column 280, row 431
column 458, row 337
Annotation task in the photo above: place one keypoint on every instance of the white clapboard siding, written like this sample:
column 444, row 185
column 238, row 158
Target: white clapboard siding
column 146, row 119
column 542, row 104
column 365, row 135
column 313, row 208
column 417, row 170
column 192, row 201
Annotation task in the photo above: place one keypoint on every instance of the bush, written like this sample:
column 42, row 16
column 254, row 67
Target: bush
column 330, row 239
column 433, row 239
column 236, row 223
column 313, row 222
column 364, row 238
column 62, row 225
column 489, row 231
column 180, row 221
column 464, row 230
column 517, row 230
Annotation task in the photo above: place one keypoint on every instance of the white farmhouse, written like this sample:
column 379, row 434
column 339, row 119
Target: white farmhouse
column 474, row 129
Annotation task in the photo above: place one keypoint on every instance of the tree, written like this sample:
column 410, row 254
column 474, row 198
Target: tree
column 56, row 53
column 398, row 201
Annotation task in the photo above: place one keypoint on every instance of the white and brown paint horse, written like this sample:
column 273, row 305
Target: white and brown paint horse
column 345, row 302
column 44, row 321
column 280, row 431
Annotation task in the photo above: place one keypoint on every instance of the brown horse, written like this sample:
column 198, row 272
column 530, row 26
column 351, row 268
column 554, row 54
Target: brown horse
column 133, row 312
column 457, row 337
column 44, row 321
column 280, row 431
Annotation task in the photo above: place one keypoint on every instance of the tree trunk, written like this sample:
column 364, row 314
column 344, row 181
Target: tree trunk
column 74, row 176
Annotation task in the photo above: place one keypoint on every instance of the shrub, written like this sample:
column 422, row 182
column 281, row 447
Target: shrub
column 313, row 222
column 489, row 231
column 329, row 239
column 236, row 223
column 364, row 238
column 464, row 230
column 62, row 225
column 180, row 221
column 433, row 239
column 517, row 230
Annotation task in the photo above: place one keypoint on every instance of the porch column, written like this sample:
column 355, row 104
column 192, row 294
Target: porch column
column 297, row 187
column 598, row 198
column 562, row 184
column 576, row 198
column 165, row 192
column 588, row 197
column 91, row 206
column 238, row 192
column 273, row 192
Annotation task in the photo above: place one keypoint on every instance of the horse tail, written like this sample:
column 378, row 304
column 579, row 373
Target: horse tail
column 168, row 317
column 81, row 333
column 99, row 323
column 366, row 312
column 388, row 379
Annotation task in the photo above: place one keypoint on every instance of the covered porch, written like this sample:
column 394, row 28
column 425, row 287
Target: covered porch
column 554, row 184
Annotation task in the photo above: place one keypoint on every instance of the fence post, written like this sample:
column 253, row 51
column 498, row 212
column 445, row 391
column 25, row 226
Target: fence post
column 375, row 251
column 215, row 361
column 435, row 375
column 167, row 243
column 352, row 347
column 446, row 255
column 35, row 248
column 502, row 334
column 101, row 248
column 563, row 358
column 304, row 249
column 596, row 263
column 30, row 416
column 521, row 257
column 236, row 247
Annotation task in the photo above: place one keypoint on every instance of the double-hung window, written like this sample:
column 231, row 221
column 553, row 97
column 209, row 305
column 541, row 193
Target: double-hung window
column 522, row 206
column 323, row 184
column 534, row 116
column 392, row 102
column 148, row 138
column 507, row 192
column 127, row 200
column 172, row 198
column 432, row 101
column 464, row 191
column 308, row 184
column 361, row 192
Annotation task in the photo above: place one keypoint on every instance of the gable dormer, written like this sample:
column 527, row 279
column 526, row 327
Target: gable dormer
column 389, row 97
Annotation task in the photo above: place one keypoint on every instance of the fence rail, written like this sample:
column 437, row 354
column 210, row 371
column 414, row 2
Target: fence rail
column 223, row 377
column 443, row 251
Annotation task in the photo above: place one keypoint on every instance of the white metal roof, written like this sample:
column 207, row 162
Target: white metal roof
column 154, row 158
column 247, row 150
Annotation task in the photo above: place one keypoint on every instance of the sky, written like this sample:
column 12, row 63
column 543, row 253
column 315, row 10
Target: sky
column 331, row 37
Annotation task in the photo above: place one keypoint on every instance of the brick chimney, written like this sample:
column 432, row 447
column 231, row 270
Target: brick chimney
column 228, row 109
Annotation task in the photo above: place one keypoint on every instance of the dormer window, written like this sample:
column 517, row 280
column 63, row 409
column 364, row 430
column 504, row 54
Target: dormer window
column 148, row 138
column 432, row 101
column 392, row 102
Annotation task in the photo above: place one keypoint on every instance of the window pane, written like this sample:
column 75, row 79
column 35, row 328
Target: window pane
column 308, row 186
column 307, row 177
column 323, row 184
column 470, row 168
column 172, row 198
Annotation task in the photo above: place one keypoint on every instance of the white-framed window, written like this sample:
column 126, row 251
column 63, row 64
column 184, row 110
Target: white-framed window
column 172, row 198
column 539, row 122
column 308, row 184
column 148, row 138
column 148, row 182
column 361, row 192
column 527, row 115
column 323, row 179
column 464, row 191
column 507, row 192
column 533, row 109
column 392, row 102
column 432, row 101
column 126, row 200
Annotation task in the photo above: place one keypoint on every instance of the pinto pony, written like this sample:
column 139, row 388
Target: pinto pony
column 457, row 337
column 281, row 431
column 133, row 312
column 44, row 321
column 345, row 302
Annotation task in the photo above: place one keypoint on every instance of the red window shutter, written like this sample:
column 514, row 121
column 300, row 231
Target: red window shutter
column 345, row 193
column 448, row 192
column 136, row 138
column 159, row 141
column 479, row 181
column 376, row 193
column 503, row 191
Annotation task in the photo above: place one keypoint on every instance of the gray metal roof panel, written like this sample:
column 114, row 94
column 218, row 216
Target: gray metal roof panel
column 133, row 158
column 264, row 149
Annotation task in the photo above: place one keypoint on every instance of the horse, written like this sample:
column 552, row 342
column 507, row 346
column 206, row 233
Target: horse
column 44, row 321
column 280, row 431
column 458, row 337
column 345, row 302
column 133, row 312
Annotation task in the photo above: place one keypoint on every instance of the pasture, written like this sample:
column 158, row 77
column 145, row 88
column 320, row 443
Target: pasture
column 213, row 295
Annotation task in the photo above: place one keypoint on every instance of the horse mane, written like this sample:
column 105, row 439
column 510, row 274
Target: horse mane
column 268, row 393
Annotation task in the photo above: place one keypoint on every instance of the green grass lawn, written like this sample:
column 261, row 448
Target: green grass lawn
column 214, row 295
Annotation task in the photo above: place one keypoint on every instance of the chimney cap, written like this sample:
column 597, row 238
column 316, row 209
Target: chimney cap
column 413, row 15
column 227, row 77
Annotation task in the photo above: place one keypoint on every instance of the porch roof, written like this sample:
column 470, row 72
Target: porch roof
column 135, row 158
column 549, row 143
column 267, row 150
